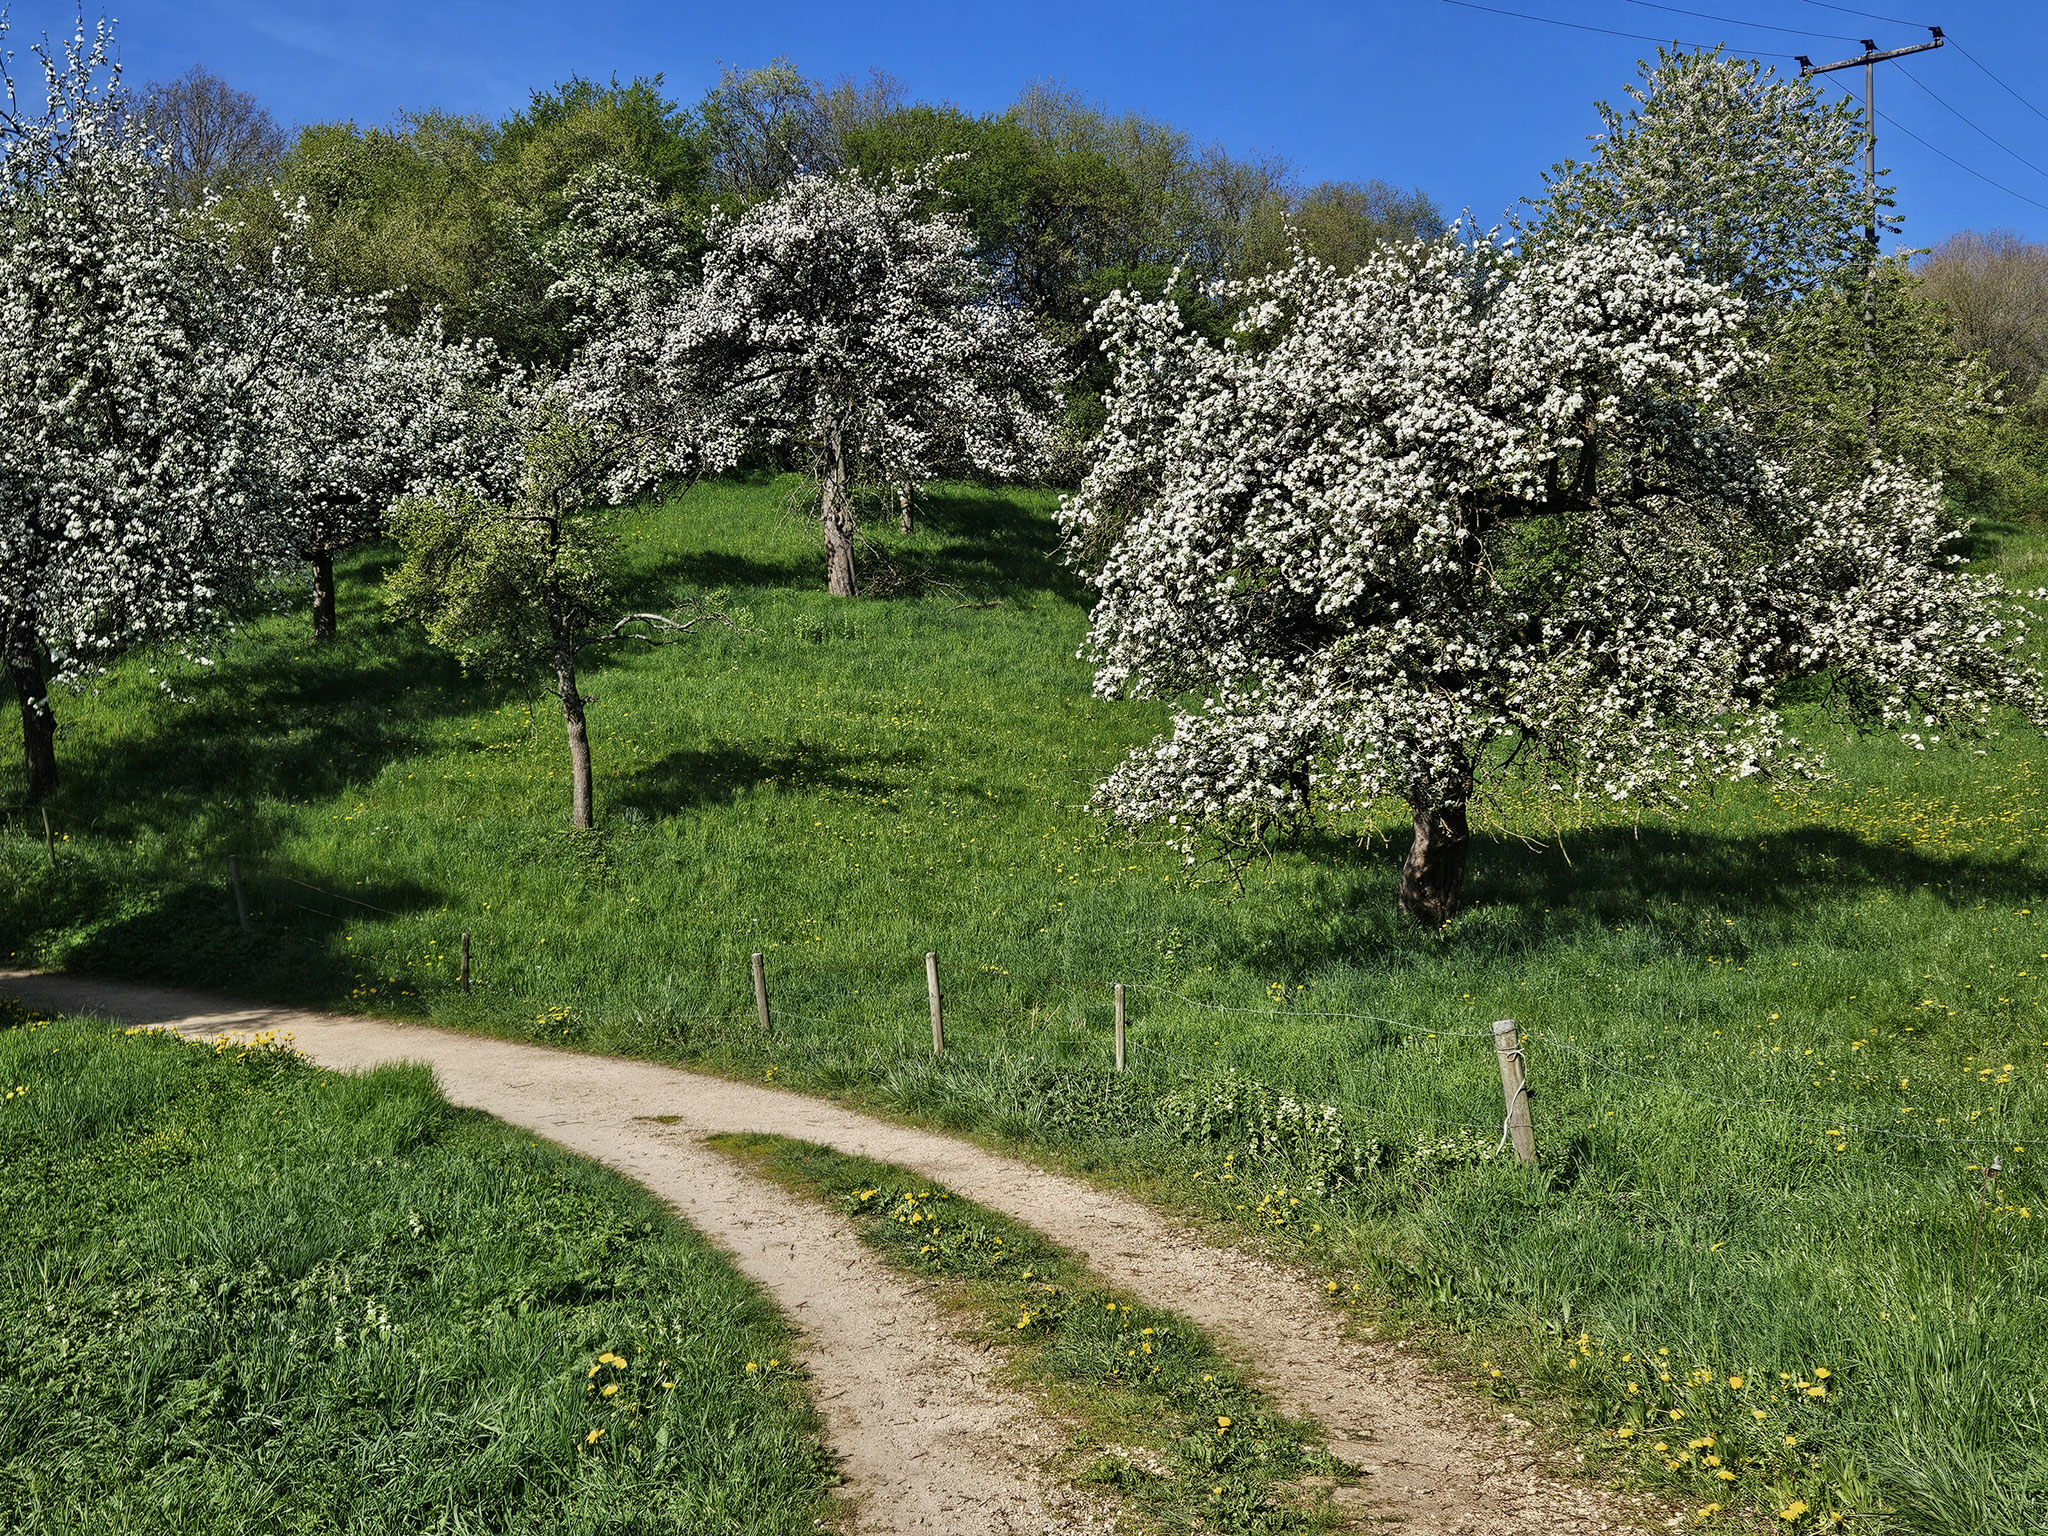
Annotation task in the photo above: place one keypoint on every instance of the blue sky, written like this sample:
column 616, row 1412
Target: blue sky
column 1467, row 104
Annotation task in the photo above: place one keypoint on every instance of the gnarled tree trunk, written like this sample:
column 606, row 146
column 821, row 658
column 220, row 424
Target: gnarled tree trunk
column 1433, row 874
column 906, row 506
column 38, row 719
column 323, row 596
column 579, row 736
column 835, row 512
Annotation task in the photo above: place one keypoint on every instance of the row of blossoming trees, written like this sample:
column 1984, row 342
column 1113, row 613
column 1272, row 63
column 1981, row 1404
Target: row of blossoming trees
column 175, row 428
column 1466, row 510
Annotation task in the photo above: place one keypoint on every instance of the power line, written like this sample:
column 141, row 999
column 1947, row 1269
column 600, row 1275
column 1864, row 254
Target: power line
column 1866, row 15
column 1580, row 26
column 2023, row 160
column 2016, row 96
column 1765, row 26
column 1952, row 160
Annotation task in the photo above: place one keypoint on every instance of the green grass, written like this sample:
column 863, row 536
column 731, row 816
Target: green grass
column 856, row 783
column 240, row 1294
column 1154, row 1412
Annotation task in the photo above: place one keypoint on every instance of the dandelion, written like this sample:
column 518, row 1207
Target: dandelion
column 1734, row 1383
column 1222, row 1421
column 1793, row 1510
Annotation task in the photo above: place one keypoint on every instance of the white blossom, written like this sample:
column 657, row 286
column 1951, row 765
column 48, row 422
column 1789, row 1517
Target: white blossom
column 1461, row 509
column 129, row 359
column 354, row 417
column 838, row 318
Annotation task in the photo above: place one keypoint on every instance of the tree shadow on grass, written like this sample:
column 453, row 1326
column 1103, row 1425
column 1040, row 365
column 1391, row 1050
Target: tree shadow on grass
column 187, row 932
column 275, row 721
column 717, row 568
column 1659, row 884
column 992, row 546
column 696, row 777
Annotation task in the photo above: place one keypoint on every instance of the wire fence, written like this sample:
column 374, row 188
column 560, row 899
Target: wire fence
column 891, row 992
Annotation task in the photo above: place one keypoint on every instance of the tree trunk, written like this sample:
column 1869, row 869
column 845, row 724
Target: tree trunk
column 323, row 596
column 1433, row 875
column 579, row 737
column 906, row 506
column 836, row 513
column 38, row 719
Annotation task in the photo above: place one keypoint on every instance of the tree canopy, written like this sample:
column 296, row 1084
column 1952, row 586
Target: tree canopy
column 1448, row 517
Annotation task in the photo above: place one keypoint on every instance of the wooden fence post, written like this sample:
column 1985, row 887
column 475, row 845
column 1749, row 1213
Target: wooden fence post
column 761, row 988
column 241, row 901
column 1119, row 1026
column 465, row 960
column 931, row 982
column 1514, row 1087
column 49, row 838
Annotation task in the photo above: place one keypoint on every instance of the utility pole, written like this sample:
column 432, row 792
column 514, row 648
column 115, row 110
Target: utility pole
column 1870, row 58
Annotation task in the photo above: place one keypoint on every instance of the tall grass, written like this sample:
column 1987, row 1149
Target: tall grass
column 242, row 1295
column 1741, row 1020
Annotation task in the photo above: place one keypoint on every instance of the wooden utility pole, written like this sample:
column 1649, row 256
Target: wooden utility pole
column 1870, row 58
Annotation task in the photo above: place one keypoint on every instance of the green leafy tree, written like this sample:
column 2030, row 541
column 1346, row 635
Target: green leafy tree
column 522, row 575
column 1342, row 223
column 1866, row 365
column 1754, row 180
column 409, row 211
column 598, row 184
column 466, row 219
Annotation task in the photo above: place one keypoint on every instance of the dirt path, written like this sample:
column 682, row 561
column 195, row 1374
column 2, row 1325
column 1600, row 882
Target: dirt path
column 1438, row 1465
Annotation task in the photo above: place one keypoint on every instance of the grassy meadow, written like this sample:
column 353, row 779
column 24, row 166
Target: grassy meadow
column 241, row 1294
column 1772, row 1041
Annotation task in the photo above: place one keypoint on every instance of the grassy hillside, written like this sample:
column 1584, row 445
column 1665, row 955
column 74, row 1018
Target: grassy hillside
column 1772, row 1040
column 240, row 1294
